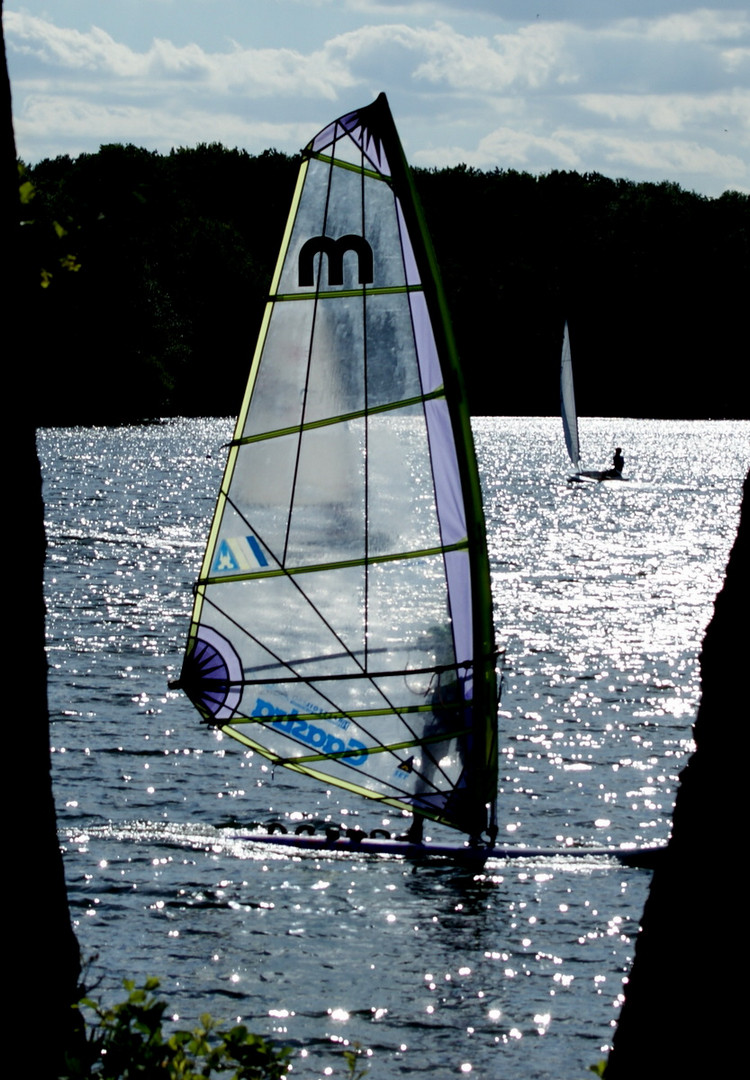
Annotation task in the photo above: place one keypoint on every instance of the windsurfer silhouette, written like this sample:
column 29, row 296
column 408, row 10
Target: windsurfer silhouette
column 447, row 698
column 618, row 464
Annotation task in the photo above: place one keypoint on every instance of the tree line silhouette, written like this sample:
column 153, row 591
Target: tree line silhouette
column 148, row 275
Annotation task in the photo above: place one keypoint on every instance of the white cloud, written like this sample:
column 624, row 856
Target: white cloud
column 615, row 154
column 702, row 25
column 631, row 93
column 735, row 60
column 529, row 59
column 78, row 116
column 664, row 158
column 259, row 71
column 580, row 11
column 522, row 150
column 673, row 112
column 68, row 48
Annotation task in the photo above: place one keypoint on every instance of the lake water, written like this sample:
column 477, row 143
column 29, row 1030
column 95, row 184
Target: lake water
column 602, row 593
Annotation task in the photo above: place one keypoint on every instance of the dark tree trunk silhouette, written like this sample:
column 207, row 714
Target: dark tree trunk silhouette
column 680, row 1012
column 43, row 978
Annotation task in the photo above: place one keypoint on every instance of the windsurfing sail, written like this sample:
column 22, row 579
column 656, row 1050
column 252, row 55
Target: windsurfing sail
column 342, row 624
column 568, row 400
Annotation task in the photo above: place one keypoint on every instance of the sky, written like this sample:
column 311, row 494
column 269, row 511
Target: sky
column 648, row 90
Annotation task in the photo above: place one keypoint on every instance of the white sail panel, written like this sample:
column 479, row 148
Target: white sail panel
column 568, row 400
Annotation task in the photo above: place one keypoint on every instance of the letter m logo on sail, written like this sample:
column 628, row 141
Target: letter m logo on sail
column 335, row 250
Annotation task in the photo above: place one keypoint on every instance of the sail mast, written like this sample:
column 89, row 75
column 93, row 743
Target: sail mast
column 484, row 748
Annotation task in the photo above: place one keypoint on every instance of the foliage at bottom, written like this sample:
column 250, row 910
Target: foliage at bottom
column 126, row 1042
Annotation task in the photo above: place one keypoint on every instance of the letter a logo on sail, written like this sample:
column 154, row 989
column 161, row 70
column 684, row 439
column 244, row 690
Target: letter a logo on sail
column 237, row 555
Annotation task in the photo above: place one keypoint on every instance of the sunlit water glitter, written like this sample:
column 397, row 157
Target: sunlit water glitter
column 601, row 592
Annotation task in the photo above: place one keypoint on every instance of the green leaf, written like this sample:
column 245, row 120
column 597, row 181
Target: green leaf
column 127, row 1041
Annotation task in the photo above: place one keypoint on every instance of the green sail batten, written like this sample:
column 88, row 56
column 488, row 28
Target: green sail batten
column 348, row 165
column 390, row 748
column 363, row 673
column 352, row 714
column 292, row 571
column 338, row 294
column 375, row 410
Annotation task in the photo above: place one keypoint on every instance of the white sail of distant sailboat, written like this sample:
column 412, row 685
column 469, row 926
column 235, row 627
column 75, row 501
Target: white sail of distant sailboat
column 568, row 400
column 342, row 624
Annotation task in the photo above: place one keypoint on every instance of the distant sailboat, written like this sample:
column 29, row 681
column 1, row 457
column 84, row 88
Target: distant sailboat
column 570, row 419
